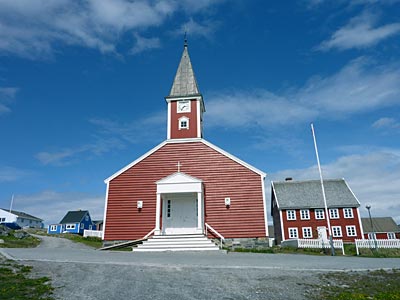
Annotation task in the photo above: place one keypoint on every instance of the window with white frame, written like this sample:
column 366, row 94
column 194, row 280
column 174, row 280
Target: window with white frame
column 291, row 214
column 307, row 233
column 2, row 219
column 70, row 226
column 371, row 236
column 337, row 231
column 391, row 236
column 334, row 213
column 305, row 214
column 183, row 123
column 348, row 213
column 351, row 231
column 319, row 214
column 293, row 233
column 53, row 228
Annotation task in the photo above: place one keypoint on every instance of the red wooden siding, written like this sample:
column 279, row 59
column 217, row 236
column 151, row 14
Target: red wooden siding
column 382, row 235
column 222, row 177
column 192, row 115
column 313, row 223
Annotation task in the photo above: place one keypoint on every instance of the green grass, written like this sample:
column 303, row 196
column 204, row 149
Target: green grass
column 89, row 241
column 16, row 283
column 13, row 242
column 286, row 250
column 371, row 285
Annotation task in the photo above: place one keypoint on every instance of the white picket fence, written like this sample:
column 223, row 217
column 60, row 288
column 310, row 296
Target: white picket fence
column 373, row 244
column 95, row 233
column 319, row 244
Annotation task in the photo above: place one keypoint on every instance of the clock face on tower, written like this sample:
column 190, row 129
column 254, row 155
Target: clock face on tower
column 183, row 106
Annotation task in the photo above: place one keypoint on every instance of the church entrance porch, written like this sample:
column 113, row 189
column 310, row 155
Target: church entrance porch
column 179, row 213
column 180, row 205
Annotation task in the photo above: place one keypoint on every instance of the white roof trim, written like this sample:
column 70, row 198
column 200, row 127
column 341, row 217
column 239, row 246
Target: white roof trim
column 135, row 162
column 173, row 141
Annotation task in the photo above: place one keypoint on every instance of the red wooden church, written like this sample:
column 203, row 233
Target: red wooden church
column 185, row 185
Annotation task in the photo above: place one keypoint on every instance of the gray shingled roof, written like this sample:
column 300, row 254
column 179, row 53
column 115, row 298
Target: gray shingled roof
column 308, row 194
column 384, row 224
column 73, row 216
column 185, row 82
column 23, row 215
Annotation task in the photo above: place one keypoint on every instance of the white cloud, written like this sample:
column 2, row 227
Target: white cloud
column 192, row 28
column 360, row 32
column 32, row 28
column 9, row 174
column 110, row 135
column 51, row 206
column 386, row 123
column 374, row 178
column 7, row 96
column 360, row 86
column 143, row 44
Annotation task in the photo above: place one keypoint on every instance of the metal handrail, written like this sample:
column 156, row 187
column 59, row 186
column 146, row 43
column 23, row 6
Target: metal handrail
column 222, row 239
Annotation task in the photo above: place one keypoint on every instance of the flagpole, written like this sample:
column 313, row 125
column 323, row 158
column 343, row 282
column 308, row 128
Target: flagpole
column 12, row 200
column 323, row 191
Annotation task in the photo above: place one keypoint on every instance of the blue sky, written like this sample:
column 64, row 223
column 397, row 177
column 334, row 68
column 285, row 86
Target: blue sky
column 82, row 88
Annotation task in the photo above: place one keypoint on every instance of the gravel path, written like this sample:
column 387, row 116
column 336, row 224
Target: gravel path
column 79, row 272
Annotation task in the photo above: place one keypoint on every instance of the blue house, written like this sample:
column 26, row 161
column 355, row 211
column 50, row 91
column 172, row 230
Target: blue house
column 73, row 222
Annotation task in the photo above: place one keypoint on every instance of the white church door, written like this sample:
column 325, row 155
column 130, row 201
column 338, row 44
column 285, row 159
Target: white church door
column 180, row 213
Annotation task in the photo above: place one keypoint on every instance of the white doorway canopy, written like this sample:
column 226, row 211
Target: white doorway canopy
column 171, row 187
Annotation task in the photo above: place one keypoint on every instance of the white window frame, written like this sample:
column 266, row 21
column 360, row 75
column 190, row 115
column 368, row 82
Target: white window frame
column 293, row 233
column 334, row 213
column 371, row 236
column 348, row 213
column 291, row 214
column 305, row 214
column 351, row 230
column 337, row 231
column 319, row 214
column 391, row 236
column 307, row 232
column 180, row 123
column 2, row 219
column 70, row 226
column 53, row 227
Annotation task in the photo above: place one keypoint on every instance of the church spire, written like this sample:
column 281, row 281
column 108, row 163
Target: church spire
column 185, row 83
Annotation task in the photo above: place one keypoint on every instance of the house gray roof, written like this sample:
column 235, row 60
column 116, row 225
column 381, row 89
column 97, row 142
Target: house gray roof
column 185, row 83
column 308, row 194
column 74, row 216
column 384, row 224
column 23, row 215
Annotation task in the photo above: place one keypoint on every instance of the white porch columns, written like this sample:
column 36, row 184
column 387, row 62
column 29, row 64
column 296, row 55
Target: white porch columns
column 158, row 212
column 200, row 211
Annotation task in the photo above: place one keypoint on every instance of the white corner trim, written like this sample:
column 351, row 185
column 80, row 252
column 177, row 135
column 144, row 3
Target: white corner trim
column 105, row 211
column 282, row 226
column 135, row 162
column 169, row 120
column 360, row 223
column 264, row 206
column 198, row 118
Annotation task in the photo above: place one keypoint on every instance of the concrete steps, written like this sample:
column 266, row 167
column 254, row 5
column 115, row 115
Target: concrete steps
column 186, row 242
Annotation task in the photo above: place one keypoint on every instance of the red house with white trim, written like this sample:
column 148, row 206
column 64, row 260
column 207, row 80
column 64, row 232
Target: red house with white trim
column 185, row 182
column 298, row 210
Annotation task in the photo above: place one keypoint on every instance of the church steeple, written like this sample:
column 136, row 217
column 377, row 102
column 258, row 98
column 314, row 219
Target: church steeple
column 185, row 83
column 185, row 103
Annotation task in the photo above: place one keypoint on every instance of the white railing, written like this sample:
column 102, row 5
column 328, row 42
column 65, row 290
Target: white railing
column 374, row 244
column 320, row 244
column 149, row 234
column 95, row 233
column 209, row 228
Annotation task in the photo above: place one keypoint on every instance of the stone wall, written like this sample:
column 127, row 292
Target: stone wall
column 247, row 243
